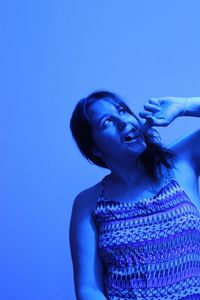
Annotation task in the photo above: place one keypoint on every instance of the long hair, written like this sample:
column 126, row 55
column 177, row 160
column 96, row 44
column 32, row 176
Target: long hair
column 155, row 156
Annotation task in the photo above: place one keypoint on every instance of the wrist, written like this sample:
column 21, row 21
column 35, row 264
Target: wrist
column 184, row 107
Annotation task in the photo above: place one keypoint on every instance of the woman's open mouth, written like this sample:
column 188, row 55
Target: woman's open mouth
column 130, row 138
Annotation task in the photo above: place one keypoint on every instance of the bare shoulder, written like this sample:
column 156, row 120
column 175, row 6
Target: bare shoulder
column 86, row 200
column 187, row 148
column 82, row 217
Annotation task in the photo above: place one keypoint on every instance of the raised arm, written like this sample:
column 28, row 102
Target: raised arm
column 162, row 111
column 88, row 269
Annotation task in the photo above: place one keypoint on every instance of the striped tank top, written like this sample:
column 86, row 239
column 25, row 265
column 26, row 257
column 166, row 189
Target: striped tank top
column 150, row 248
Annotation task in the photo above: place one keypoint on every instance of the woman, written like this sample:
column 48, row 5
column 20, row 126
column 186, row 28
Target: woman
column 136, row 233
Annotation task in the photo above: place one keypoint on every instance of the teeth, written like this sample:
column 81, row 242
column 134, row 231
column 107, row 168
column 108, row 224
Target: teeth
column 130, row 136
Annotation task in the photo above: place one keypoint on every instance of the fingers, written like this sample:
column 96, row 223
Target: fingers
column 152, row 107
column 157, row 121
column 150, row 122
column 153, row 114
column 154, row 101
column 143, row 128
column 145, row 114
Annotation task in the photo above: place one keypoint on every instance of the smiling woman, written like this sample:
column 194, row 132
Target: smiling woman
column 135, row 234
column 87, row 126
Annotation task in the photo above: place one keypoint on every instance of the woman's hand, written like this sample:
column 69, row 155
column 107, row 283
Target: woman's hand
column 161, row 112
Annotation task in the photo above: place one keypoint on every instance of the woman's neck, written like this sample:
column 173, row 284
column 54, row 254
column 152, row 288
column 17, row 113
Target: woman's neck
column 129, row 177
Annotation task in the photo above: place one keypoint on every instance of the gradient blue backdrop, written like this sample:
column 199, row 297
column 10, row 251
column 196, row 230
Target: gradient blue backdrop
column 52, row 54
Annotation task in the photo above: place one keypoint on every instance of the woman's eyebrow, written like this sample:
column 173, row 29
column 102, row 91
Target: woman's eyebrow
column 117, row 106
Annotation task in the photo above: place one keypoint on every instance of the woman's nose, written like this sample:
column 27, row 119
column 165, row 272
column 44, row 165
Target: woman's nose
column 122, row 124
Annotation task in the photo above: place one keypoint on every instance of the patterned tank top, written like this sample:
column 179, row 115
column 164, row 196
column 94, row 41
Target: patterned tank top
column 151, row 248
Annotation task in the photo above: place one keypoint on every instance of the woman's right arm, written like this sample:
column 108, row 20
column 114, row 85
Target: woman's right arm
column 88, row 269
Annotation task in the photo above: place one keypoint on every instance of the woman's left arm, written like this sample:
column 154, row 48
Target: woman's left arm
column 162, row 111
column 191, row 107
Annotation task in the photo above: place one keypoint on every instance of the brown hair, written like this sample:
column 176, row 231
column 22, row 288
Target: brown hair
column 155, row 155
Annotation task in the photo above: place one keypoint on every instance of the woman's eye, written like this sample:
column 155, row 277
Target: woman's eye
column 121, row 109
column 107, row 121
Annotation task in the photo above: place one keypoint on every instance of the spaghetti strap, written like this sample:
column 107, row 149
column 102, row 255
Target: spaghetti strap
column 169, row 176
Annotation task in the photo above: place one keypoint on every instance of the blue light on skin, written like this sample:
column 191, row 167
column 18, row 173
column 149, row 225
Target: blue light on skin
column 147, row 125
column 109, row 124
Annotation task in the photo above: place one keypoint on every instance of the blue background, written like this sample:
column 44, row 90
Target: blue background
column 52, row 54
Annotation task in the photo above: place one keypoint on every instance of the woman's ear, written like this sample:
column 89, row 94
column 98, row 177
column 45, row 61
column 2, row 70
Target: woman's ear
column 96, row 152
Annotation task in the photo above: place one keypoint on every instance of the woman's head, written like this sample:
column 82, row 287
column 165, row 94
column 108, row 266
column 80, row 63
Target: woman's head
column 86, row 129
column 87, row 132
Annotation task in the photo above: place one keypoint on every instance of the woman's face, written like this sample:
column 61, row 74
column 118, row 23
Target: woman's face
column 112, row 130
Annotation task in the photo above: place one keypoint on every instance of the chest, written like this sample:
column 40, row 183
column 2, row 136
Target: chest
column 182, row 172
